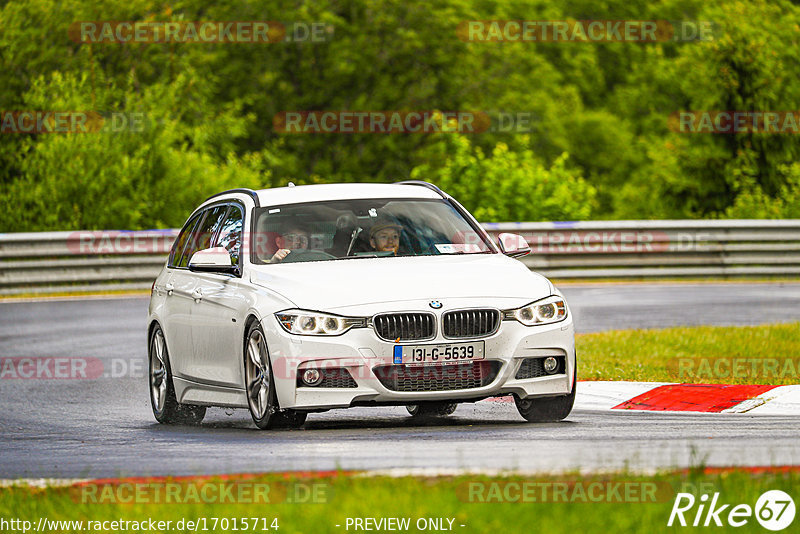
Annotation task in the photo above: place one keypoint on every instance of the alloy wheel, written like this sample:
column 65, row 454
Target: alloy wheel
column 257, row 375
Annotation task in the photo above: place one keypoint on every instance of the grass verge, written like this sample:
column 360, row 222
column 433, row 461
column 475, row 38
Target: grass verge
column 768, row 354
column 598, row 503
column 71, row 294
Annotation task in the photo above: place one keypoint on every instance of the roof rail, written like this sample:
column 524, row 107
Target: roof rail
column 423, row 184
column 252, row 194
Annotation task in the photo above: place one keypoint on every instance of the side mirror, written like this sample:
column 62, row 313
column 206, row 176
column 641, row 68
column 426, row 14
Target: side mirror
column 212, row 260
column 513, row 245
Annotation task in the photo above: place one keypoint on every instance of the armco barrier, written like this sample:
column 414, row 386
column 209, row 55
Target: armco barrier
column 660, row 249
column 82, row 261
column 111, row 260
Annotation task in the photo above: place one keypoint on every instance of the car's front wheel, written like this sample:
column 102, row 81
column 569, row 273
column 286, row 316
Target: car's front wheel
column 547, row 409
column 261, row 397
column 431, row 409
column 289, row 419
column 166, row 407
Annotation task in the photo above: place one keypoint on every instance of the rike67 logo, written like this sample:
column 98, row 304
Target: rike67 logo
column 774, row 510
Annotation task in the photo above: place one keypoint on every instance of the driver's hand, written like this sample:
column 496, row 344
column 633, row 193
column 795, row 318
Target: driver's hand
column 280, row 255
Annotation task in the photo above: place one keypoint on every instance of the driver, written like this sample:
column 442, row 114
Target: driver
column 384, row 236
column 294, row 238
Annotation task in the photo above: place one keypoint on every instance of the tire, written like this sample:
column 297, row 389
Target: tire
column 166, row 408
column 547, row 409
column 289, row 419
column 259, row 383
column 431, row 409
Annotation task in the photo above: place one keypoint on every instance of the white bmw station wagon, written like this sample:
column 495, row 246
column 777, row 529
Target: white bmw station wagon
column 302, row 299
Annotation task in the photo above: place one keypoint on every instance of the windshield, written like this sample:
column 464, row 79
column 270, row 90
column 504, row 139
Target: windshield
column 340, row 229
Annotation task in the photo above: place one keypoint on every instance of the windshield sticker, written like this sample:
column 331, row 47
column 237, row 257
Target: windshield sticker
column 455, row 248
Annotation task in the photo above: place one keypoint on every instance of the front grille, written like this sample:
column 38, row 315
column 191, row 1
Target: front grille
column 470, row 323
column 405, row 326
column 534, row 368
column 410, row 378
column 337, row 377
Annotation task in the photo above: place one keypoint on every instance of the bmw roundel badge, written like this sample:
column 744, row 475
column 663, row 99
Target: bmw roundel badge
column 435, row 304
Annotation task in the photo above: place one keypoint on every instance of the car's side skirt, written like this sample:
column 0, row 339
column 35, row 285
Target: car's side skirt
column 188, row 392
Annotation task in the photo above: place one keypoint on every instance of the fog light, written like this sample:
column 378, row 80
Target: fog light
column 550, row 365
column 312, row 377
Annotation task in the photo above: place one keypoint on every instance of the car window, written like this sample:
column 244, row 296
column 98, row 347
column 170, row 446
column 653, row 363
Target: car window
column 230, row 233
column 350, row 229
column 183, row 238
column 203, row 234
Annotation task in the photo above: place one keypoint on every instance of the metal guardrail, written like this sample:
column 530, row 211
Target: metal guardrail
column 118, row 260
column 82, row 260
column 660, row 249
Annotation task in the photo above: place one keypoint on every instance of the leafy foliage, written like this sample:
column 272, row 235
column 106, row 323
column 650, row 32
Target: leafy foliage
column 600, row 145
column 506, row 185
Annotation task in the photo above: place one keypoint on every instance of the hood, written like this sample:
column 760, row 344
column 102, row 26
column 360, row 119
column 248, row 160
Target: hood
column 328, row 285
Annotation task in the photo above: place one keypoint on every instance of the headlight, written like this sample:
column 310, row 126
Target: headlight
column 545, row 311
column 312, row 323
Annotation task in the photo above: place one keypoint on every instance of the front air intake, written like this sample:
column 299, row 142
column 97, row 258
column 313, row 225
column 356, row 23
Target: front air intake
column 534, row 368
column 470, row 323
column 407, row 378
column 405, row 326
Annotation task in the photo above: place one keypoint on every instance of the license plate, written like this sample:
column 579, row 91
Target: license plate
column 442, row 354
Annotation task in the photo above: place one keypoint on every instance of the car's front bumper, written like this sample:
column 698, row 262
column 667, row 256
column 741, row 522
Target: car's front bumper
column 360, row 351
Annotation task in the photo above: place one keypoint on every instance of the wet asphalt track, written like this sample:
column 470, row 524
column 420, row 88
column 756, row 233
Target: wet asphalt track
column 103, row 427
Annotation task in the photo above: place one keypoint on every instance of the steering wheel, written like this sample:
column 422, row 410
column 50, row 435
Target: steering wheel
column 307, row 255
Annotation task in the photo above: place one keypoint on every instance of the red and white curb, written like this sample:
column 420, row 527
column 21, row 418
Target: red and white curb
column 708, row 398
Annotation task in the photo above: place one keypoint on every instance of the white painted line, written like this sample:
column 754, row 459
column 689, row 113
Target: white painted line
column 432, row 472
column 602, row 395
column 103, row 296
column 41, row 482
column 398, row 472
column 783, row 400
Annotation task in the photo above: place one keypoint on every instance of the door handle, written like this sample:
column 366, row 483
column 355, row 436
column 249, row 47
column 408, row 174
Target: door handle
column 197, row 294
column 169, row 287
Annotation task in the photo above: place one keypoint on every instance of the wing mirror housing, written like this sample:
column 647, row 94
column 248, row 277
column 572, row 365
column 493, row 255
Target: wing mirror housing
column 212, row 260
column 513, row 245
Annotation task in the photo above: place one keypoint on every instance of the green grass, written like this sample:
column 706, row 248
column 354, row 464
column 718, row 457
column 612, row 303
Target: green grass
column 767, row 354
column 67, row 293
column 444, row 497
